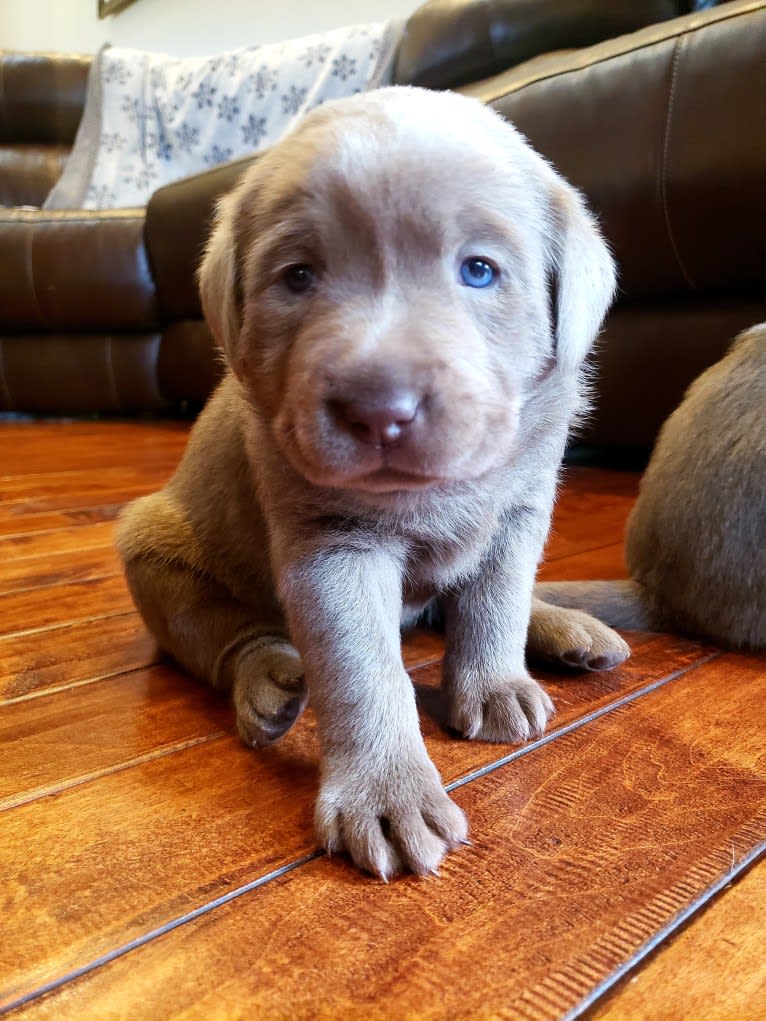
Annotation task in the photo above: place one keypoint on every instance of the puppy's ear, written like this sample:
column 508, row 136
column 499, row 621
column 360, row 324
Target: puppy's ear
column 219, row 279
column 582, row 278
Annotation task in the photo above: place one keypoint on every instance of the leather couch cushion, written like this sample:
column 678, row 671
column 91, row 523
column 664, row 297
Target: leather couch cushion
column 42, row 96
column 662, row 130
column 648, row 354
column 190, row 363
column 75, row 269
column 74, row 372
column 178, row 221
column 28, row 172
column 451, row 42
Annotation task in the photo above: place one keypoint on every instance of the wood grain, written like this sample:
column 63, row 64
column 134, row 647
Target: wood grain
column 49, row 520
column 30, row 448
column 605, row 562
column 41, row 660
column 54, row 541
column 63, row 488
column 582, row 851
column 691, row 977
column 593, row 515
column 72, row 736
column 110, row 860
column 78, row 600
column 53, row 569
column 255, row 808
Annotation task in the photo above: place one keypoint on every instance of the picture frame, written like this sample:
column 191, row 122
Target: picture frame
column 109, row 7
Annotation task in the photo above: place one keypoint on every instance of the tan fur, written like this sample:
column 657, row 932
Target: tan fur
column 290, row 546
column 696, row 538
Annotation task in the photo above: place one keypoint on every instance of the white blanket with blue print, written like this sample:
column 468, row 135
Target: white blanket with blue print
column 150, row 119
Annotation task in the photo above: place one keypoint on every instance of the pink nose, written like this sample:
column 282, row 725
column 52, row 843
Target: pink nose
column 381, row 419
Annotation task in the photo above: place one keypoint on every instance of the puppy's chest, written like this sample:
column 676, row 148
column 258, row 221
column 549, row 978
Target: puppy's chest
column 435, row 565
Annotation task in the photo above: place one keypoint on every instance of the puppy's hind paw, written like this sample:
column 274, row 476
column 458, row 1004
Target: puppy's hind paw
column 574, row 639
column 269, row 691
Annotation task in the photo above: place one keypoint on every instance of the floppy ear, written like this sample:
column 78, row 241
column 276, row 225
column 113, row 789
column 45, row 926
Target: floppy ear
column 582, row 275
column 218, row 278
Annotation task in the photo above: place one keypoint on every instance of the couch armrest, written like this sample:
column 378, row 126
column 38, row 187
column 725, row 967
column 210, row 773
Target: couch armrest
column 448, row 43
column 178, row 221
column 42, row 96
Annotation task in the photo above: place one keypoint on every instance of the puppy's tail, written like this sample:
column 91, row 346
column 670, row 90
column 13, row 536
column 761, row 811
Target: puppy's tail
column 621, row 604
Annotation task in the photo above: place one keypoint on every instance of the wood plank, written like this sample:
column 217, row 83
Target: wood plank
column 605, row 562
column 80, row 600
column 55, row 569
column 29, row 447
column 44, row 502
column 582, row 851
column 713, row 969
column 57, row 487
column 50, row 744
column 32, row 663
column 591, row 510
column 54, row 541
column 109, row 860
column 184, row 828
column 46, row 521
column 38, row 513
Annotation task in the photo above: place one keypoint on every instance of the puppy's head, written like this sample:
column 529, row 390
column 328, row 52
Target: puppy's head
column 391, row 283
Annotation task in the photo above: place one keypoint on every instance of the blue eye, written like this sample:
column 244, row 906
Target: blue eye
column 298, row 278
column 477, row 272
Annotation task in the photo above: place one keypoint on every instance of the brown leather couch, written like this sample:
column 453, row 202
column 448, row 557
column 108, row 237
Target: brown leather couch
column 660, row 126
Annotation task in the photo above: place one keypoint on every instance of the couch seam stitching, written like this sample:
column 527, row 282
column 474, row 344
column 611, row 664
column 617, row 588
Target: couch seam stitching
column 30, row 258
column 663, row 175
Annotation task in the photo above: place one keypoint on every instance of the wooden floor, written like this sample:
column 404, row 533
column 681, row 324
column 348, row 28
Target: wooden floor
column 152, row 867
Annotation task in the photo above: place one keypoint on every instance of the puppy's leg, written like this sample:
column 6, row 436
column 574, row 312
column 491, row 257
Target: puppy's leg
column 205, row 628
column 215, row 638
column 574, row 638
column 380, row 797
column 490, row 693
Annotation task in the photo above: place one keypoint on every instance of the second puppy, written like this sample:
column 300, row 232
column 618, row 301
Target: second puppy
column 695, row 543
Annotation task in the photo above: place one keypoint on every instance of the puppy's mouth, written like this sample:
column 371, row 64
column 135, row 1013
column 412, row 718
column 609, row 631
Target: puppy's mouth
column 394, row 480
column 363, row 470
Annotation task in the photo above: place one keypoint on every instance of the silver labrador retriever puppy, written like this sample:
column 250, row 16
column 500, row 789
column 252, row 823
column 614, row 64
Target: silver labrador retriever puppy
column 696, row 539
column 405, row 293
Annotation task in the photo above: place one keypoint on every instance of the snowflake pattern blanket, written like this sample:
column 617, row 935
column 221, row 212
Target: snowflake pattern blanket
column 150, row 119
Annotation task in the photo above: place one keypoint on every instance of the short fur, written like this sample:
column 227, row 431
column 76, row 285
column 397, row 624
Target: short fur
column 696, row 538
column 289, row 546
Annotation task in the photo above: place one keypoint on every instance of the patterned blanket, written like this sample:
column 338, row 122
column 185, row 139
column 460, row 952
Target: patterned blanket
column 150, row 119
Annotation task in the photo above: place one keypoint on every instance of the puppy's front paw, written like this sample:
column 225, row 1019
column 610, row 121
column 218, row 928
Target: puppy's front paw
column 574, row 638
column 512, row 711
column 269, row 691
column 388, row 821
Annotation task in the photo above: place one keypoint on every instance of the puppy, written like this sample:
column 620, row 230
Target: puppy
column 696, row 538
column 405, row 293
